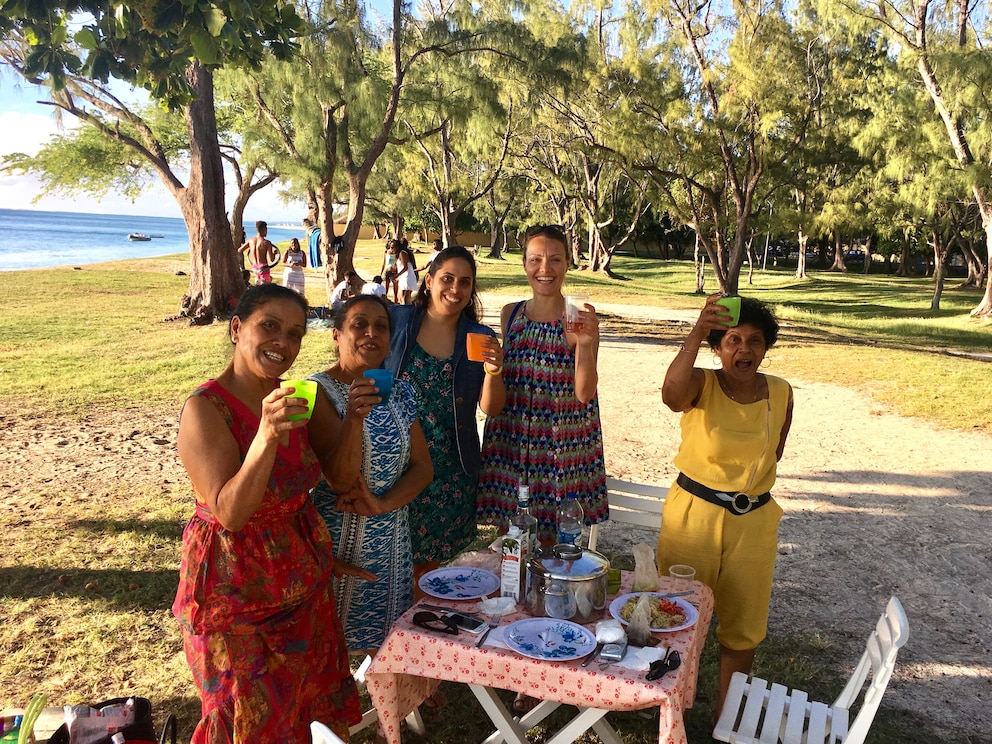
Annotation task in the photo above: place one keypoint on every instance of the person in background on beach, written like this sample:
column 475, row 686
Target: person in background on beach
column 719, row 516
column 436, row 247
column 427, row 349
column 295, row 260
column 255, row 603
column 374, row 287
column 350, row 286
column 406, row 271
column 388, row 270
column 263, row 255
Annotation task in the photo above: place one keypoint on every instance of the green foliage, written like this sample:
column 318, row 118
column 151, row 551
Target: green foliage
column 149, row 44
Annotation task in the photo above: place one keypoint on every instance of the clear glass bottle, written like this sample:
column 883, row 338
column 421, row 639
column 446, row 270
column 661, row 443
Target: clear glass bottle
column 570, row 518
column 525, row 521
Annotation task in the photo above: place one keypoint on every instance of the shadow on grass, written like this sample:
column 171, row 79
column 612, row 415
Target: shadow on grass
column 157, row 528
column 140, row 589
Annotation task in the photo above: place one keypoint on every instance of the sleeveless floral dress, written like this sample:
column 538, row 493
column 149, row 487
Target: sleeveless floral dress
column 260, row 628
column 379, row 543
column 442, row 516
column 544, row 437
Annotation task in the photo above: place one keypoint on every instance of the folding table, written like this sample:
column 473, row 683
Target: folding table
column 412, row 662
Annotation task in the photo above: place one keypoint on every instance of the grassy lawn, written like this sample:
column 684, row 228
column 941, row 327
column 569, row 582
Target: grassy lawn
column 87, row 586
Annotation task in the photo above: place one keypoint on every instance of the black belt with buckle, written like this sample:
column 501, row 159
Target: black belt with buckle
column 735, row 503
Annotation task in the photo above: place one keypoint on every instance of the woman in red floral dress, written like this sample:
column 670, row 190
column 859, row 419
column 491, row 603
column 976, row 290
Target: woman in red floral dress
column 259, row 624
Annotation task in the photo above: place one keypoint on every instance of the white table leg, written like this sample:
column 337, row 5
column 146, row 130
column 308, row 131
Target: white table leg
column 587, row 718
column 499, row 715
column 512, row 731
column 528, row 721
column 606, row 732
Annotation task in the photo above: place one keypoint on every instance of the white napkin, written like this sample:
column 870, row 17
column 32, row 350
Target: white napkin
column 495, row 638
column 639, row 659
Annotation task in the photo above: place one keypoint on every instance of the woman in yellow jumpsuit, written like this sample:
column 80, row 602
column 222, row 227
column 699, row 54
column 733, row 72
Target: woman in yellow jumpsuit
column 719, row 516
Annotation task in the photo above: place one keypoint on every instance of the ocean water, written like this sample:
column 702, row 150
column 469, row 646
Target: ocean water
column 31, row 239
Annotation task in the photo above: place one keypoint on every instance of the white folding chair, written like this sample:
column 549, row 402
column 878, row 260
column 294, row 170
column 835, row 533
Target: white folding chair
column 320, row 734
column 790, row 717
column 632, row 503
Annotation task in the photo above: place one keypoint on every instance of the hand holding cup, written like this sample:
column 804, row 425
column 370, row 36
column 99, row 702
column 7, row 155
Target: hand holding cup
column 305, row 390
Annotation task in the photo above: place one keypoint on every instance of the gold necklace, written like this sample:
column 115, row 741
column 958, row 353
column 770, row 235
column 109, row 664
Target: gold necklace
column 726, row 390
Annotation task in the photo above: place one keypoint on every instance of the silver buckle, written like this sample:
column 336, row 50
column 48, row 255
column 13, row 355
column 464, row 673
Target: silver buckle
column 741, row 503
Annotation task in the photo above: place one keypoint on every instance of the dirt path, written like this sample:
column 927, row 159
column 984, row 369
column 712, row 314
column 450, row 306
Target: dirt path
column 876, row 504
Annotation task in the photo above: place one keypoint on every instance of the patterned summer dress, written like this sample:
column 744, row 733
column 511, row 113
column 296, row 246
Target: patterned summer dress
column 442, row 516
column 379, row 543
column 259, row 625
column 544, row 437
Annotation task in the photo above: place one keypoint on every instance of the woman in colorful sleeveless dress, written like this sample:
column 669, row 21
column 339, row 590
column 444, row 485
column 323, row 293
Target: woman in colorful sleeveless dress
column 380, row 464
column 719, row 516
column 255, row 606
column 427, row 349
column 548, row 435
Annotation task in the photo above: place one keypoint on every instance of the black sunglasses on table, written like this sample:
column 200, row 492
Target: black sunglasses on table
column 435, row 623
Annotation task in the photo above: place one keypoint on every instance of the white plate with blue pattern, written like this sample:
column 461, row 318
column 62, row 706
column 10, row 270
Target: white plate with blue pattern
column 546, row 639
column 459, row 582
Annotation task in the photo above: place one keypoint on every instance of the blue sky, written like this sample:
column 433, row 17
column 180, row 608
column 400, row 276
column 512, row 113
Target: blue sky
column 26, row 125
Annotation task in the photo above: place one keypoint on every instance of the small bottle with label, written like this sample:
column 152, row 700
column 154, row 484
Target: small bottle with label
column 570, row 518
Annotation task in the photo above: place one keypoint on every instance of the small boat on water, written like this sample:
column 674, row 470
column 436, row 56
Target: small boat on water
column 139, row 236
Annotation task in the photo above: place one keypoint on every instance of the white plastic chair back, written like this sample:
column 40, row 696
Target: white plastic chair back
column 320, row 734
column 890, row 634
column 632, row 503
column 790, row 717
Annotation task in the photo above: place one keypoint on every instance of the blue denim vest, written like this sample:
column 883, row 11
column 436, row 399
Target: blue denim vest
column 467, row 377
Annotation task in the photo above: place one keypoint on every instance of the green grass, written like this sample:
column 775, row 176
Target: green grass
column 88, row 578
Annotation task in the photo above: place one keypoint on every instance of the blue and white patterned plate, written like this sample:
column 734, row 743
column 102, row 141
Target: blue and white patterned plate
column 459, row 582
column 546, row 639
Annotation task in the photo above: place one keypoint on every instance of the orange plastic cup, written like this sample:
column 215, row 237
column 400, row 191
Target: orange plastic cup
column 475, row 346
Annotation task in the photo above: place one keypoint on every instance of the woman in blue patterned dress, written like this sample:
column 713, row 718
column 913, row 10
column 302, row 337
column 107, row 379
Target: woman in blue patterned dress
column 548, row 435
column 427, row 349
column 380, row 464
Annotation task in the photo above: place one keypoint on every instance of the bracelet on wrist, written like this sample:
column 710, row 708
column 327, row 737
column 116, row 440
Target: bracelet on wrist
column 495, row 373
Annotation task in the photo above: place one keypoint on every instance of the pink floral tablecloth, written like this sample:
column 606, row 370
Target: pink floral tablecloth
column 412, row 662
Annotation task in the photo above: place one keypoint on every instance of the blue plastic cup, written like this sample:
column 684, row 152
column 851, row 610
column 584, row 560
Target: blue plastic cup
column 383, row 380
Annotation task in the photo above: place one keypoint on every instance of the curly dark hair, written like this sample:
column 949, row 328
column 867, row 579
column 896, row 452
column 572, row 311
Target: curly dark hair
column 753, row 312
column 261, row 294
column 474, row 307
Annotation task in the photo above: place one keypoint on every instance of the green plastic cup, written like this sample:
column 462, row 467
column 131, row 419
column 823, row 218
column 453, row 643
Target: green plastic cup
column 733, row 307
column 306, row 389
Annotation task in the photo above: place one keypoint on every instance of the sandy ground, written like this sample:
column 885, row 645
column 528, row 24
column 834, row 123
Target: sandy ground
column 875, row 504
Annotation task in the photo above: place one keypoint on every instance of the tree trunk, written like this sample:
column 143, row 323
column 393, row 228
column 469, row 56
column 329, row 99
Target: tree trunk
column 976, row 269
column 939, row 261
column 215, row 280
column 699, row 260
column 801, row 263
column 838, row 264
column 984, row 309
column 325, row 221
column 869, row 249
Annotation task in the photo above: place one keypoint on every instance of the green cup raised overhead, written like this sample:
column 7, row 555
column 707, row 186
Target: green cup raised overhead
column 732, row 305
column 306, row 389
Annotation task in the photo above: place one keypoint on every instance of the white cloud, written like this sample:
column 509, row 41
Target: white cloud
column 23, row 132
